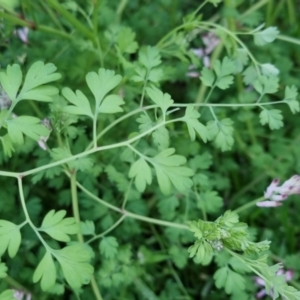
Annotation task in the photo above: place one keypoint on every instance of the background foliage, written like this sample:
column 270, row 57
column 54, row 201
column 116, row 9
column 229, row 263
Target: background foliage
column 225, row 156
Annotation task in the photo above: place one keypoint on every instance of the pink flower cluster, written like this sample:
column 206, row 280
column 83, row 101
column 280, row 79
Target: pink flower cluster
column 276, row 194
column 210, row 41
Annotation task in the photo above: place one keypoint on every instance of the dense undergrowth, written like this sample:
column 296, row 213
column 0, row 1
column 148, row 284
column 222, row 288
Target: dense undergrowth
column 142, row 143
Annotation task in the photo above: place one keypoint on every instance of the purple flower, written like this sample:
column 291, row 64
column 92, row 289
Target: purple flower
column 210, row 41
column 275, row 194
column 21, row 295
column 289, row 274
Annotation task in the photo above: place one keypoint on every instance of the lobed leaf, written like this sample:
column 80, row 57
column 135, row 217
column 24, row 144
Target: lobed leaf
column 191, row 118
column 164, row 101
column 74, row 261
column 222, row 132
column 272, row 117
column 109, row 247
column 26, row 125
column 265, row 36
column 101, row 83
column 170, row 173
column 81, row 105
column 45, row 272
column 290, row 98
column 57, row 227
column 141, row 171
column 11, row 81
column 10, row 238
column 149, row 57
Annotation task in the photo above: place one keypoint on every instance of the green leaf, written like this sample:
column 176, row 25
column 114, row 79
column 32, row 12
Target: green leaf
column 240, row 59
column 149, row 57
column 290, row 98
column 224, row 68
column 10, row 238
column 250, row 75
column 207, row 76
column 210, row 201
column 111, row 104
column 265, row 36
column 7, row 295
column 164, row 101
column 230, row 280
column 45, row 272
column 266, row 85
column 3, row 270
column 57, row 227
column 229, row 219
column 11, row 81
column 145, row 122
column 26, row 125
column 126, row 41
column 222, row 131
column 161, row 138
column 141, row 171
column 42, row 93
column 83, row 164
column 101, row 83
column 169, row 172
column 202, row 162
column 272, row 117
column 224, row 82
column 179, row 256
column 167, row 207
column 7, row 144
column 201, row 251
column 155, row 75
column 39, row 74
column 87, row 227
column 109, row 247
column 74, row 261
column 81, row 105
column 269, row 70
column 191, row 118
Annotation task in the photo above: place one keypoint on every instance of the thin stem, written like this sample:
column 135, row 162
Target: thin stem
column 71, row 19
column 22, row 198
column 129, row 214
column 155, row 221
column 240, row 258
column 95, row 288
column 126, row 143
column 127, row 194
column 233, row 35
column 255, row 7
column 248, row 205
column 75, row 203
column 144, row 89
column 107, row 231
column 288, row 39
column 95, row 131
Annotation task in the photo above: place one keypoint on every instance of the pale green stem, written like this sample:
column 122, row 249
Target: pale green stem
column 248, row 205
column 22, row 198
column 233, row 35
column 288, row 39
column 127, row 194
column 107, row 231
column 75, row 203
column 129, row 214
column 126, row 143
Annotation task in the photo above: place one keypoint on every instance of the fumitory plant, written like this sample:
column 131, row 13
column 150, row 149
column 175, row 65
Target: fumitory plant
column 134, row 137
